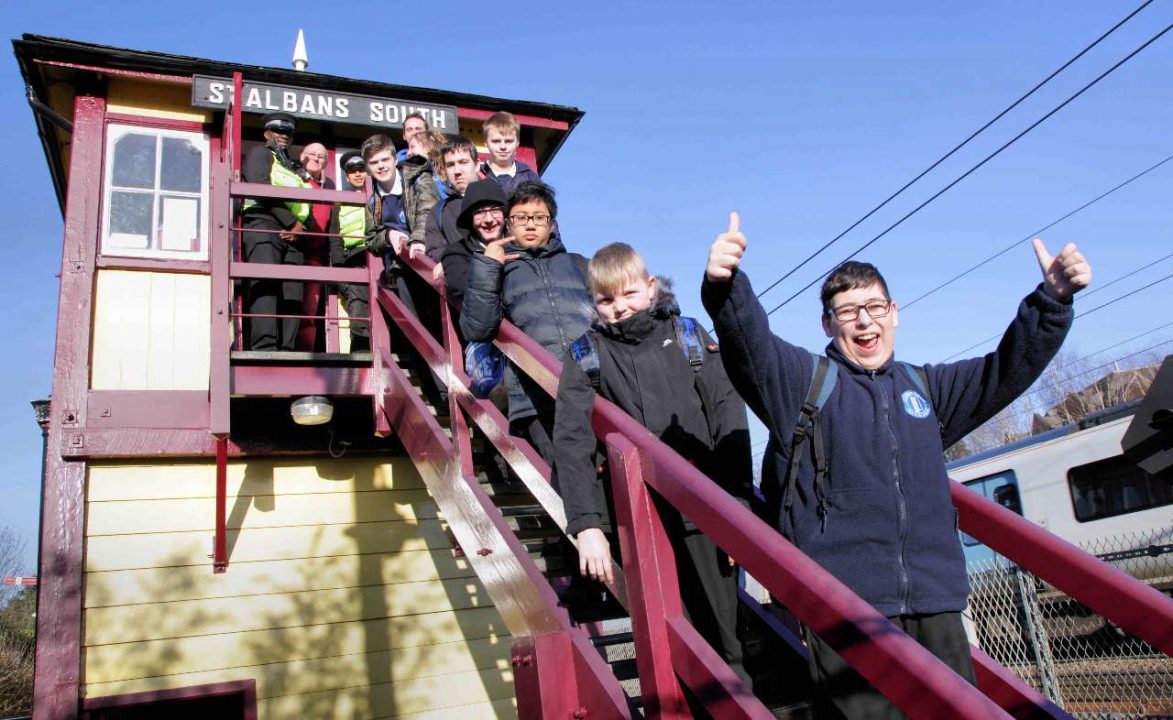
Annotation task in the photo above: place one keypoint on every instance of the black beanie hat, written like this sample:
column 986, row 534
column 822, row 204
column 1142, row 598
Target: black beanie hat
column 481, row 192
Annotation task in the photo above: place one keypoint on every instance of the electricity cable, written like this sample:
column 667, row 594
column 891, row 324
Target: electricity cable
column 904, row 307
column 957, row 147
column 973, row 169
column 1079, row 315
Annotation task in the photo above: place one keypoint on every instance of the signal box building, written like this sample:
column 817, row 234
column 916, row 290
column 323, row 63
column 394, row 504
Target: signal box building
column 201, row 554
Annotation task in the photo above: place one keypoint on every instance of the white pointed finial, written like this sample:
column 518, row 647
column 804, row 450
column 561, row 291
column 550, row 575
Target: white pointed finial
column 301, row 60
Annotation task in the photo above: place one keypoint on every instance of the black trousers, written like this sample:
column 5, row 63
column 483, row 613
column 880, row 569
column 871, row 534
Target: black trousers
column 841, row 692
column 271, row 297
column 357, row 297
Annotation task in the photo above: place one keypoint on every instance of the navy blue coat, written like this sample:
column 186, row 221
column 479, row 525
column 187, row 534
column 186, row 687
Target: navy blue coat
column 543, row 292
column 890, row 531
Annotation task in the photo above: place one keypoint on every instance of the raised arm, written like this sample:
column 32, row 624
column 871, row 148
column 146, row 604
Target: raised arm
column 968, row 393
column 770, row 374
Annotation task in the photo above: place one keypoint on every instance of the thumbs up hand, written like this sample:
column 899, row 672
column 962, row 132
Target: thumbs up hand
column 1064, row 274
column 726, row 251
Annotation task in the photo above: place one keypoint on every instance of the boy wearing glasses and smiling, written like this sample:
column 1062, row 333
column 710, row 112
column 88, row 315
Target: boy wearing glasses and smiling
column 530, row 279
column 868, row 497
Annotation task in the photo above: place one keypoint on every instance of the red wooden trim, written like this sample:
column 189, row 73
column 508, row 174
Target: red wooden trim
column 519, row 590
column 380, row 338
column 280, row 380
column 707, row 675
column 220, row 251
column 543, row 687
column 652, row 587
column 260, row 190
column 177, row 79
column 161, row 123
column 186, row 409
column 1137, row 607
column 188, row 267
column 530, row 120
column 220, row 540
column 118, row 443
column 1013, row 695
column 247, row 689
column 59, row 600
column 311, row 273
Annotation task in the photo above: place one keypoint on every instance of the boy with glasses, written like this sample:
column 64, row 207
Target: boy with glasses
column 868, row 497
column 531, row 280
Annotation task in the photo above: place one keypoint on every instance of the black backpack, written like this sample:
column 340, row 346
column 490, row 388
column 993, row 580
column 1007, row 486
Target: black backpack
column 807, row 426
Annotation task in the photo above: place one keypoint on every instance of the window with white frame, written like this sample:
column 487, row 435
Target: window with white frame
column 155, row 193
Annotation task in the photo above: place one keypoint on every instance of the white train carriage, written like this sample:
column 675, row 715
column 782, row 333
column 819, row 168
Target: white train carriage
column 1075, row 482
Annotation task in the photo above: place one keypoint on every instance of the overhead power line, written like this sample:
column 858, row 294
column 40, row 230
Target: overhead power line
column 973, row 169
column 1088, row 312
column 904, row 306
column 957, row 147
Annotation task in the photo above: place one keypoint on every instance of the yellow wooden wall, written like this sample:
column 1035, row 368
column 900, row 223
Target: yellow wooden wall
column 151, row 331
column 136, row 96
column 342, row 598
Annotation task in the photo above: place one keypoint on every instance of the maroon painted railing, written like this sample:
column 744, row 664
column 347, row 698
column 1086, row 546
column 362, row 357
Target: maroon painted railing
column 669, row 651
column 668, row 648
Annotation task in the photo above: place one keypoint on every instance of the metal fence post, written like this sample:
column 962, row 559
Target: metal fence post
column 1036, row 633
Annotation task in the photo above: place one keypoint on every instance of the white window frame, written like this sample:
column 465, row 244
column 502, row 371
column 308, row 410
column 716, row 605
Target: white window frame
column 116, row 131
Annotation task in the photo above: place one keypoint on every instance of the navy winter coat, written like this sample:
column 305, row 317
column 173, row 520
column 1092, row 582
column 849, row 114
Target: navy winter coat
column 890, row 531
column 543, row 292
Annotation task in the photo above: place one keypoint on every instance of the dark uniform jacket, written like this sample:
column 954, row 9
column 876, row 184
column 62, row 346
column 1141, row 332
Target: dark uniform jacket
column 890, row 530
column 442, row 230
column 644, row 371
column 258, row 168
column 509, row 183
column 543, row 292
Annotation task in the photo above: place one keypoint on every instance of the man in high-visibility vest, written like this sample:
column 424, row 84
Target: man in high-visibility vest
column 270, row 237
column 349, row 247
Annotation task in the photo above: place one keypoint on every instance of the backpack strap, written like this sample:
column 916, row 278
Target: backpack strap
column 823, row 380
column 586, row 354
column 688, row 335
column 920, row 378
column 692, row 344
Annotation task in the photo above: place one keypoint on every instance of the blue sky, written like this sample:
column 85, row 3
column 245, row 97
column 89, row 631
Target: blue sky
column 800, row 115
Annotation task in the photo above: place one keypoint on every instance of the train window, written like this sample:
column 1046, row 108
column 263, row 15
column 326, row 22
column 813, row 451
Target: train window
column 1116, row 486
column 1002, row 488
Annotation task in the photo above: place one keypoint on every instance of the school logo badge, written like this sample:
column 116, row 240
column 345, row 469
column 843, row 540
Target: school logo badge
column 915, row 405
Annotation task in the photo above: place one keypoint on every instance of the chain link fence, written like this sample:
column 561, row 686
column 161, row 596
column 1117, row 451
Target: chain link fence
column 1084, row 663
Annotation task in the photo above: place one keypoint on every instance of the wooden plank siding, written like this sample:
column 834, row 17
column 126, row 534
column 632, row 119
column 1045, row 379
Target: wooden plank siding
column 343, row 597
column 150, row 331
column 137, row 96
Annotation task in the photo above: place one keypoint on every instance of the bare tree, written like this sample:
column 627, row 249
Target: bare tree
column 17, row 611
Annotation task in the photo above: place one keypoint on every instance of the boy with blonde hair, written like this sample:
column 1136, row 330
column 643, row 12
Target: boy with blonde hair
column 502, row 135
column 665, row 372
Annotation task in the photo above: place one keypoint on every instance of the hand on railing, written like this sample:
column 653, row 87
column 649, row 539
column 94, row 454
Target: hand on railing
column 594, row 556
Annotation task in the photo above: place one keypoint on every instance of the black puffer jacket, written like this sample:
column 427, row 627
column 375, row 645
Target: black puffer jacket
column 543, row 292
column 644, row 371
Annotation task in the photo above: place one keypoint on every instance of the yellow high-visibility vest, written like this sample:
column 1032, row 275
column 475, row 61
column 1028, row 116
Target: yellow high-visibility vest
column 281, row 176
column 352, row 224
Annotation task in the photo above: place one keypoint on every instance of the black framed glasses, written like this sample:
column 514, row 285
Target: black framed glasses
column 875, row 309
column 538, row 220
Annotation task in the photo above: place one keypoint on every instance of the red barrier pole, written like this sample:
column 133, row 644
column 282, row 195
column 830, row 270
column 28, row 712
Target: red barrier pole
column 652, row 588
column 1131, row 604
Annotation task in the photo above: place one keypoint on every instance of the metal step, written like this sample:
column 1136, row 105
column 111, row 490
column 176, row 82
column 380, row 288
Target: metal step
column 274, row 357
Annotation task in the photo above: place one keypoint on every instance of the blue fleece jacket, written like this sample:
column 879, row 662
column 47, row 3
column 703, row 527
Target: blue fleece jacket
column 890, row 529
